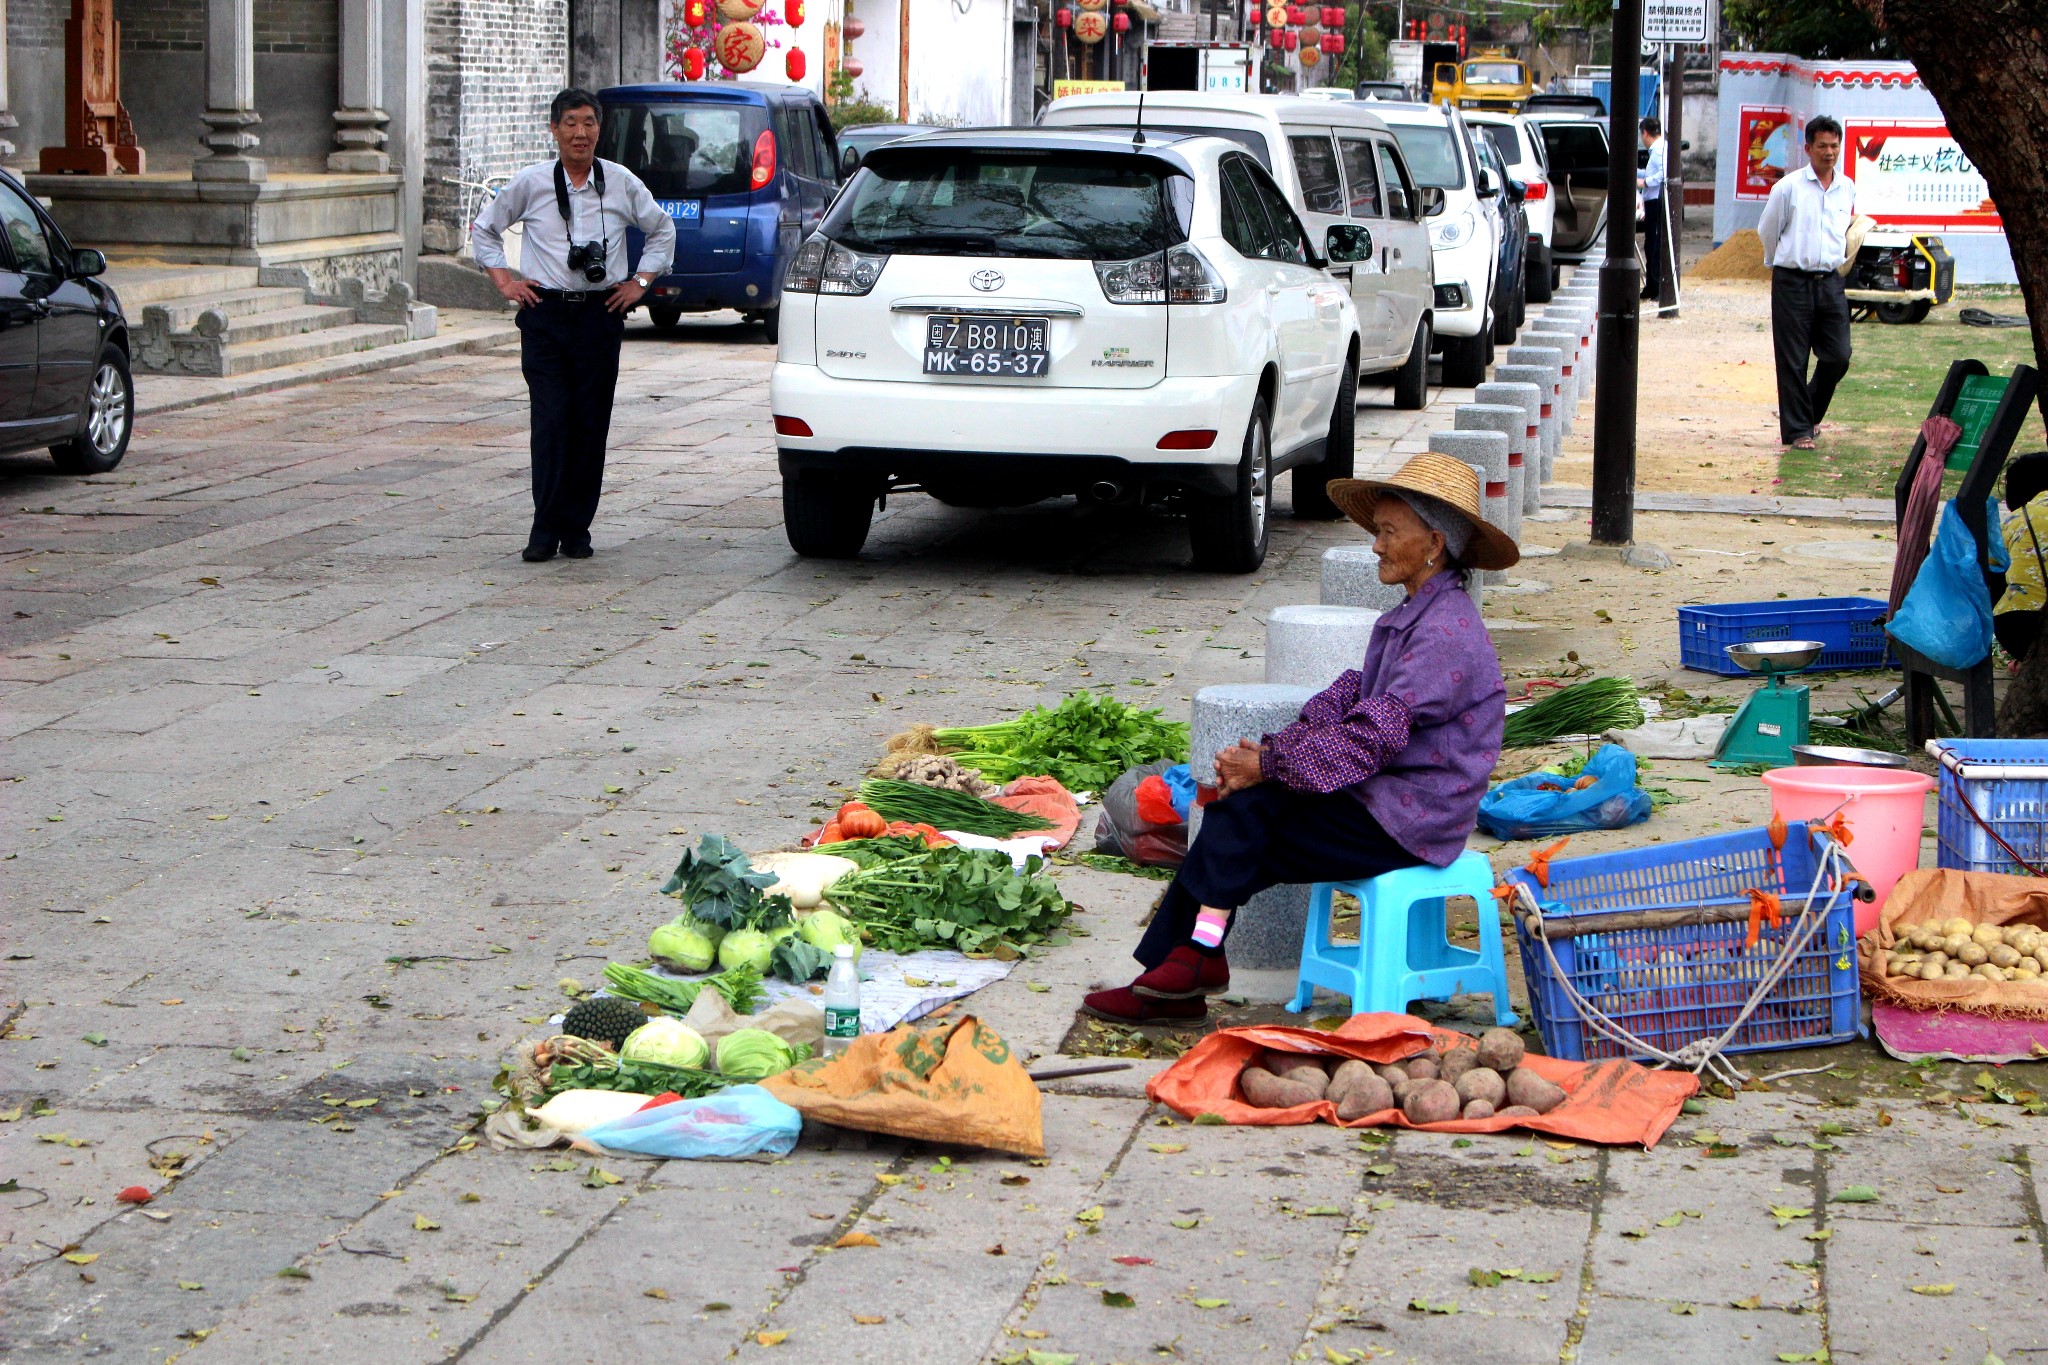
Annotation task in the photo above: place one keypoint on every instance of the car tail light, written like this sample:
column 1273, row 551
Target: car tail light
column 1140, row 281
column 1536, row 191
column 825, row 267
column 1187, row 440
column 1191, row 279
column 764, row 158
column 791, row 426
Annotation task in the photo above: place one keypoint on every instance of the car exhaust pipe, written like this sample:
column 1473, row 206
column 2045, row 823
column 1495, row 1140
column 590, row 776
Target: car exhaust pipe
column 1105, row 490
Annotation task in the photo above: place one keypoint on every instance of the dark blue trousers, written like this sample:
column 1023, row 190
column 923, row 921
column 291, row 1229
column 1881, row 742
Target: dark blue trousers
column 569, row 353
column 1268, row 836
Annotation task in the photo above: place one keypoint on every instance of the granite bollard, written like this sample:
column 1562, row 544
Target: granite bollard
column 1543, row 455
column 1309, row 646
column 1528, row 452
column 1266, row 931
column 1351, row 578
column 1510, row 421
column 1566, row 343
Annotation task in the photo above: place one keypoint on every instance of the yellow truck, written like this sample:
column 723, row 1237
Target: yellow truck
column 1486, row 80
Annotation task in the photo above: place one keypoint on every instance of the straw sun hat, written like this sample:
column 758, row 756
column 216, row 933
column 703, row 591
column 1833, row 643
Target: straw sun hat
column 1452, row 483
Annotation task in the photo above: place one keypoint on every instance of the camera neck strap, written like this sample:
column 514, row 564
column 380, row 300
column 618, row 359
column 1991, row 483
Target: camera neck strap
column 562, row 198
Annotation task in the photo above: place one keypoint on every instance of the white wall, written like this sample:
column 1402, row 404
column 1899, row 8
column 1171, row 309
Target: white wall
column 960, row 60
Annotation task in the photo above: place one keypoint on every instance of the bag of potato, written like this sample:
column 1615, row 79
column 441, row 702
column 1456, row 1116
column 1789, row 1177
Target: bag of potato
column 1971, row 941
column 1447, row 1082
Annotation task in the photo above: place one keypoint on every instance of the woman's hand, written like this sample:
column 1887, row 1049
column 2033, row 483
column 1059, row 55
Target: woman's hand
column 1238, row 768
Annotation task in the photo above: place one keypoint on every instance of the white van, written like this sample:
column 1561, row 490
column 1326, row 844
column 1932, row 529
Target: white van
column 1337, row 163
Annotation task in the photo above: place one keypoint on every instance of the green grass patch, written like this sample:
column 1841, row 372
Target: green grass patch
column 1893, row 377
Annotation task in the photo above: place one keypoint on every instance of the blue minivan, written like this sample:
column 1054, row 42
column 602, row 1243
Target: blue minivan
column 746, row 169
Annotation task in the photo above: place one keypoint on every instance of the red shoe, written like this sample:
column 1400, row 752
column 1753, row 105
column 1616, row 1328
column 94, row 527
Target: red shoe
column 1123, row 1006
column 1185, row 975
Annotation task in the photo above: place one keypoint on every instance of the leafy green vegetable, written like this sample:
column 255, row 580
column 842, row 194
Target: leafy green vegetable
column 747, row 948
column 666, row 1041
column 716, row 882
column 914, row 803
column 1086, row 742
column 1586, row 708
column 583, row 1065
column 753, row 1054
column 796, row 960
column 826, row 930
column 740, row 987
column 967, row 899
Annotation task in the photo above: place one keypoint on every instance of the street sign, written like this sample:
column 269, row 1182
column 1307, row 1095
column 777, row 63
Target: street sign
column 1678, row 21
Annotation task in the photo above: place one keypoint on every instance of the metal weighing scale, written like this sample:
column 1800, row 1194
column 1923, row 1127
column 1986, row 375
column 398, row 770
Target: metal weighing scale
column 1775, row 716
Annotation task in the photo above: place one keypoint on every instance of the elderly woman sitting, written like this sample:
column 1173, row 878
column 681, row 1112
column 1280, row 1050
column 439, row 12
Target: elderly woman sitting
column 1385, row 767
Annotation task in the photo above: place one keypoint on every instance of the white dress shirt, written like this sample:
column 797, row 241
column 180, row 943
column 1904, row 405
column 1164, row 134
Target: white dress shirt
column 1806, row 227
column 1652, row 178
column 529, row 198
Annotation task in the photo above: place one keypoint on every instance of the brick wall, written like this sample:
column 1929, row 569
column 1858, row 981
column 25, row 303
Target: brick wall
column 492, row 68
column 37, row 23
column 298, row 26
column 161, row 25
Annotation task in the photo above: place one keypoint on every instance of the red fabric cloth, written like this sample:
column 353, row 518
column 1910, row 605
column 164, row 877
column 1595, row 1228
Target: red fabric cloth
column 1923, row 502
column 1042, row 796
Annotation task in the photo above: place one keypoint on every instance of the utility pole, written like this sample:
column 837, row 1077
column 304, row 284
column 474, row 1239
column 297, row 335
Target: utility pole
column 1673, row 202
column 1621, row 281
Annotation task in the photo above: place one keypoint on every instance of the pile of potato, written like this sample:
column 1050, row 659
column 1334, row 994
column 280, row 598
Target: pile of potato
column 1431, row 1087
column 1957, row 949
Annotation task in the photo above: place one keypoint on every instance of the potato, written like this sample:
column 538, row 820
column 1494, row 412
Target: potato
column 1932, row 971
column 1953, row 944
column 1525, row 1087
column 1280, row 1063
column 1515, row 1111
column 1922, row 937
column 1422, row 1068
column 1432, row 1102
column 1393, row 1073
column 1956, row 971
column 1264, row 1090
column 1500, row 1049
column 1357, row 1090
column 1476, row 1109
column 1404, row 1089
column 1988, row 934
column 1456, row 1063
column 2003, row 955
column 1958, row 925
column 1989, row 972
column 1937, row 958
column 2024, row 973
column 1973, row 955
column 1483, row 1083
column 2026, row 940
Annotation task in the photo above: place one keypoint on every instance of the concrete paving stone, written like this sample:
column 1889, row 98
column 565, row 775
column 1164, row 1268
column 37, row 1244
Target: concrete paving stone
column 1632, row 1331
column 235, row 730
column 142, row 711
column 1873, row 1312
column 287, row 1167
column 1635, row 1256
column 1934, row 1178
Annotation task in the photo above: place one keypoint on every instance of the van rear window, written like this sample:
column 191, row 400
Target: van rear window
column 684, row 150
column 965, row 202
column 1431, row 155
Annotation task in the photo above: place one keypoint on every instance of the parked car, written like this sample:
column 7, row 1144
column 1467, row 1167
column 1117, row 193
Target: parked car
column 856, row 142
column 1520, row 145
column 1510, row 301
column 1464, row 232
column 64, row 376
column 1337, row 162
column 1000, row 316
column 744, row 168
column 1382, row 90
column 1575, row 160
column 1575, row 106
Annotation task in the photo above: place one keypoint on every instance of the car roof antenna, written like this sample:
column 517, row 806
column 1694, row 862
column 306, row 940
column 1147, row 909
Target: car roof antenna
column 1138, row 132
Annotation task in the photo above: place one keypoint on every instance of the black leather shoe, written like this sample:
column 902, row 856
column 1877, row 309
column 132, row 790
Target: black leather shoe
column 538, row 551
column 580, row 550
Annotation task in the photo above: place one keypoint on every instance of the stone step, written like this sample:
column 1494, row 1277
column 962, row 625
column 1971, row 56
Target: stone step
column 302, row 320
column 141, row 282
column 184, row 312
column 249, row 356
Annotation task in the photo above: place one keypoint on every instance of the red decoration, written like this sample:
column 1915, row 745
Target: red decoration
column 1064, row 18
column 134, row 1194
column 854, row 28
column 1121, row 22
column 852, row 67
column 740, row 47
column 793, row 13
column 1290, row 41
column 793, row 63
column 1333, row 17
column 693, row 64
column 1297, row 15
column 695, row 13
column 1091, row 26
column 1309, row 56
column 1333, row 43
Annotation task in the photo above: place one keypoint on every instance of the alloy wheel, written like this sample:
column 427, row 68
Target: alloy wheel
column 106, row 420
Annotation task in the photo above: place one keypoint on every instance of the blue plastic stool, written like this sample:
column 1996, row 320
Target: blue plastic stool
column 1404, row 951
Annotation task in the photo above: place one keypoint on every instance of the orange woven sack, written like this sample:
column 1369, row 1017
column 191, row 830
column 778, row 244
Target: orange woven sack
column 1610, row 1102
column 1933, row 896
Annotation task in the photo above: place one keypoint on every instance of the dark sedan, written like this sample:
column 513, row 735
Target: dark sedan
column 64, row 377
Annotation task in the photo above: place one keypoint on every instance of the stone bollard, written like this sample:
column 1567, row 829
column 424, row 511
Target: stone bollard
column 1487, row 452
column 1309, row 646
column 1510, row 421
column 1565, row 341
column 1351, row 578
column 1580, row 320
column 1267, row 930
column 1526, row 399
column 1546, row 359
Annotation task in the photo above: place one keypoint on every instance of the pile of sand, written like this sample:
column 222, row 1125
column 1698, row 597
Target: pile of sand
column 1741, row 257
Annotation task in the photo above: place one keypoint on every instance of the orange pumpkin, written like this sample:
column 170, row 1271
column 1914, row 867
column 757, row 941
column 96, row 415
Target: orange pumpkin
column 856, row 821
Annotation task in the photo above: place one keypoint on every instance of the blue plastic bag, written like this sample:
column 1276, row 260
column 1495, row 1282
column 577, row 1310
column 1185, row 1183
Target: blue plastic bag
column 1947, row 612
column 1540, row 803
column 742, row 1121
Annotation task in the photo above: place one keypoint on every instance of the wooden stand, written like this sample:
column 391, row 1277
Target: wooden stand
column 99, row 139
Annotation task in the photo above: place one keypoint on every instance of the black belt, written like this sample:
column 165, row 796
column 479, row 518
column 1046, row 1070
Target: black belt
column 575, row 295
column 1804, row 274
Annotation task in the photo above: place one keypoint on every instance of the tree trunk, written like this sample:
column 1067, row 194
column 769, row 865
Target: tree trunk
column 1986, row 64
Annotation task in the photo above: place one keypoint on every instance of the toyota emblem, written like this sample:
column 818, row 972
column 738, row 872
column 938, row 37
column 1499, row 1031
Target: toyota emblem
column 987, row 281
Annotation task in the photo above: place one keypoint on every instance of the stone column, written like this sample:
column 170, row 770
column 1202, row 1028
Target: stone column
column 359, row 122
column 231, row 116
column 7, row 120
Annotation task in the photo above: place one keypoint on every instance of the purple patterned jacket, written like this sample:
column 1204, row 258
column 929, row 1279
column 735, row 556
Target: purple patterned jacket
column 1414, row 733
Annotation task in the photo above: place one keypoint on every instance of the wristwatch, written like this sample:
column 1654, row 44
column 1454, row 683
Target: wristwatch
column 644, row 281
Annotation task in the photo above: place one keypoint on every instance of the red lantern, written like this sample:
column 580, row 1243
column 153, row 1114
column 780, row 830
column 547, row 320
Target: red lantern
column 1121, row 22
column 1064, row 18
column 1333, row 17
column 693, row 64
column 1290, row 41
column 854, row 28
column 852, row 67
column 1333, row 43
column 1297, row 15
column 793, row 13
column 695, row 13
column 793, row 63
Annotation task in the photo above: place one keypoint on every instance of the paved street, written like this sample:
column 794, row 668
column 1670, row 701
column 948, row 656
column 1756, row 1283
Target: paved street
column 316, row 791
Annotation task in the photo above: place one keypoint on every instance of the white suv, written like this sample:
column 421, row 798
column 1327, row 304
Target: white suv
column 1001, row 316
column 1464, row 234
column 1519, row 140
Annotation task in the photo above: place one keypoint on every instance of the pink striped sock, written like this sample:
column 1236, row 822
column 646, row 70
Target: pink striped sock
column 1209, row 927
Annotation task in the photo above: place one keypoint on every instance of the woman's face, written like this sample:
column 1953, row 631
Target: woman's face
column 1410, row 553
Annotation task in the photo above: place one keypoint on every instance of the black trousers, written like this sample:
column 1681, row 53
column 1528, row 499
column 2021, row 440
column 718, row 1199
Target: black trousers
column 1268, row 836
column 569, row 353
column 1809, row 317
column 1654, row 234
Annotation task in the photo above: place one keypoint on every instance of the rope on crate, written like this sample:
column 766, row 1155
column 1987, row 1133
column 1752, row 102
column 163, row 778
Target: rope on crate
column 1702, row 1054
column 1963, row 797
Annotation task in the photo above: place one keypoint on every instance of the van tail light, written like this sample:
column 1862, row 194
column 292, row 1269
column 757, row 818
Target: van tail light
column 1536, row 191
column 791, row 426
column 764, row 158
column 822, row 266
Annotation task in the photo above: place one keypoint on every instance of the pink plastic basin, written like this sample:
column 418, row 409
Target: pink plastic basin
column 1884, row 813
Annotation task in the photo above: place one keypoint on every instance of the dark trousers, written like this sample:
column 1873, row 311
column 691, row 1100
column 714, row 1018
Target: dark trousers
column 1654, row 234
column 1268, row 836
column 1809, row 317
column 569, row 353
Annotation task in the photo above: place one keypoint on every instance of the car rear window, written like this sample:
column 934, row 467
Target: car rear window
column 683, row 149
column 1505, row 141
column 1050, row 205
column 1253, row 142
column 1431, row 155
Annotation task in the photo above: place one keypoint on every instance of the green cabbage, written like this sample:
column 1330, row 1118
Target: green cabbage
column 753, row 1054
column 666, row 1042
column 746, row 948
column 686, row 943
column 827, row 929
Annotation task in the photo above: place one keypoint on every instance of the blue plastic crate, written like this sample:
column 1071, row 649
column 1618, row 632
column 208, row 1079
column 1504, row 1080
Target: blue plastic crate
column 2015, row 803
column 1678, row 985
column 1848, row 626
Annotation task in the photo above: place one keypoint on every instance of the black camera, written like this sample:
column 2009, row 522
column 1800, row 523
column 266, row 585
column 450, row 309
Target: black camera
column 588, row 258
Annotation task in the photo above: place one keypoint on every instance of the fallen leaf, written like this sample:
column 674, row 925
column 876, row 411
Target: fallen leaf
column 1132, row 1260
column 295, row 1272
column 1116, row 1298
column 856, row 1239
column 1854, row 1194
column 172, row 1001
column 1016, row 1180
column 1671, row 1222
column 1785, row 1213
column 1167, row 1148
column 1750, row 1304
column 1089, row 1215
column 190, row 1284
column 1185, row 1223
column 1211, row 1303
column 898, row 1180
column 1541, row 1277
column 1033, row 1334
column 1036, row 987
column 869, row 1319
column 1480, row 1278
column 422, row 1223
column 362, row 1104
column 1684, row 1310
column 771, row 1338
column 996, row 1250
column 96, row 1039
column 1934, row 1291
column 1425, row 1306
column 1211, row 1120
column 81, row 1257
column 1049, row 1358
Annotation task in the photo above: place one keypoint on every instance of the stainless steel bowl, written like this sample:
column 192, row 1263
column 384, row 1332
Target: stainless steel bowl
column 1836, row 755
column 1775, row 656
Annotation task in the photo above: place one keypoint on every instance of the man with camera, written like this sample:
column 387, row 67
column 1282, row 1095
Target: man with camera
column 573, row 294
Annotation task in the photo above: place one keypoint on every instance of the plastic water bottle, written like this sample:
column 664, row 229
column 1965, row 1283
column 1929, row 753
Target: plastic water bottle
column 842, row 1002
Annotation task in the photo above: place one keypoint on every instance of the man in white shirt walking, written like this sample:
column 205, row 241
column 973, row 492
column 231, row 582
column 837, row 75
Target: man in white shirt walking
column 1650, row 185
column 1805, row 232
column 573, row 295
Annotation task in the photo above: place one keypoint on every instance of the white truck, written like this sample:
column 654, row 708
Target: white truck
column 1212, row 68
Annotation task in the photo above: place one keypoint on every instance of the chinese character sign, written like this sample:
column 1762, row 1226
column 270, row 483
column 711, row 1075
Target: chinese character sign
column 1912, row 175
column 1765, row 141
